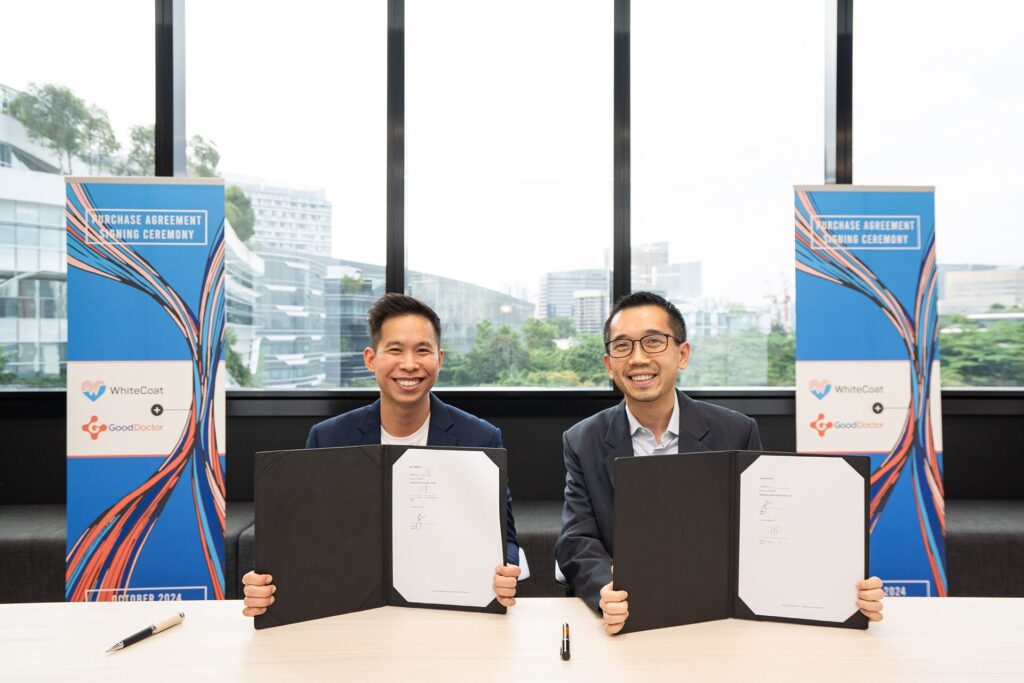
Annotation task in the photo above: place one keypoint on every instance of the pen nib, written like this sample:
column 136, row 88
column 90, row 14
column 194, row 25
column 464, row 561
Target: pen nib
column 119, row 646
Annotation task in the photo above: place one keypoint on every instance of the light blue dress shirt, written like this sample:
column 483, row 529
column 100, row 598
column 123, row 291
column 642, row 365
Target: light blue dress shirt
column 643, row 438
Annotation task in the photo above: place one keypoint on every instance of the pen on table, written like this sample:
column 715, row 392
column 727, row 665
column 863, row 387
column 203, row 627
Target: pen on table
column 148, row 631
column 565, row 641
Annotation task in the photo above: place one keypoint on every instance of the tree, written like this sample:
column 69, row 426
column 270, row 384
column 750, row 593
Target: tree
column 142, row 155
column 55, row 117
column 6, row 376
column 238, row 210
column 236, row 366
column 203, row 157
column 584, row 359
column 538, row 335
column 98, row 140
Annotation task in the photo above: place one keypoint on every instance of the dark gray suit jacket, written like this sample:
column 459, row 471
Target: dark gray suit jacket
column 584, row 548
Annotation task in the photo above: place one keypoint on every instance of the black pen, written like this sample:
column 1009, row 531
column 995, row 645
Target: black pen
column 565, row 641
column 148, row 631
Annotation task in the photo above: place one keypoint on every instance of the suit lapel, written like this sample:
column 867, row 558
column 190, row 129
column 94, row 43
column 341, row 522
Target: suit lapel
column 441, row 432
column 369, row 423
column 692, row 427
column 617, row 440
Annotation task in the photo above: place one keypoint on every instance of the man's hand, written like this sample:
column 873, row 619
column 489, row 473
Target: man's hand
column 505, row 576
column 614, row 608
column 259, row 593
column 869, row 598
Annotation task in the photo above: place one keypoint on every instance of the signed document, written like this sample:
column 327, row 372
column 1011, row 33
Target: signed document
column 445, row 526
column 801, row 537
column 765, row 536
column 408, row 526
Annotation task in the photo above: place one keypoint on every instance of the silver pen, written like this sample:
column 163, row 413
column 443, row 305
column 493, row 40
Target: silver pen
column 150, row 630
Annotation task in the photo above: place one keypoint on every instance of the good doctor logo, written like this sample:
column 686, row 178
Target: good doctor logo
column 93, row 429
column 820, row 425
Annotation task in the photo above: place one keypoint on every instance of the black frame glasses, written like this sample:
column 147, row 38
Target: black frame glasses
column 645, row 342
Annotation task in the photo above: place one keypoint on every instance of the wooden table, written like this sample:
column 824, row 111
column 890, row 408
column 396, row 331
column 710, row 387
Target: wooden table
column 921, row 639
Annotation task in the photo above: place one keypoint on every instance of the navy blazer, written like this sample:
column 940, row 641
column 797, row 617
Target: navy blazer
column 584, row 548
column 449, row 426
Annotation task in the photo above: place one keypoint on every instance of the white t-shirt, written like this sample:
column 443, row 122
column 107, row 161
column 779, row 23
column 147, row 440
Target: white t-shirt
column 417, row 438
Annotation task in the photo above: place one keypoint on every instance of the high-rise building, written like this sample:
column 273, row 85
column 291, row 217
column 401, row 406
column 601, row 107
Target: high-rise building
column 977, row 290
column 244, row 272
column 287, row 218
column 644, row 259
column 676, row 281
column 589, row 310
column 350, row 289
column 291, row 321
column 557, row 290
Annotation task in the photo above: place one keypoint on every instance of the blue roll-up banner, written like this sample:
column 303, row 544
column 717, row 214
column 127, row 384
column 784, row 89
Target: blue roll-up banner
column 145, row 467
column 867, row 364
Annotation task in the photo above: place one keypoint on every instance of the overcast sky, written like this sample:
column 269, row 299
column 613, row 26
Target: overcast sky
column 509, row 120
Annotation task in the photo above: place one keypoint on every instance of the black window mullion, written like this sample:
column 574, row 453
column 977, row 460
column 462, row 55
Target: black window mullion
column 395, row 266
column 621, row 259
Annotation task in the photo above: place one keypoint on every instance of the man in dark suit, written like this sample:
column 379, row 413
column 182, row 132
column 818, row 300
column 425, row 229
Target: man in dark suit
column 645, row 343
column 405, row 357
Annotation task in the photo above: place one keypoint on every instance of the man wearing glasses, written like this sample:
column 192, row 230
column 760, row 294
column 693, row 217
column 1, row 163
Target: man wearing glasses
column 645, row 346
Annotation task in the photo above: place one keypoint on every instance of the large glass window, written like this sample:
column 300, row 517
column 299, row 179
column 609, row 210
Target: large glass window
column 508, row 185
column 727, row 115
column 938, row 100
column 290, row 108
column 76, row 97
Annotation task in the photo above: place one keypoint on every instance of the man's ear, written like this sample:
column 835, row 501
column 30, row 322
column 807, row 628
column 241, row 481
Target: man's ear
column 684, row 354
column 369, row 358
column 608, row 365
column 440, row 359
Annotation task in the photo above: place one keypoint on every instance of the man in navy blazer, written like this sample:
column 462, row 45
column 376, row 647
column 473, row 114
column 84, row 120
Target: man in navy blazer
column 405, row 357
column 449, row 426
column 645, row 343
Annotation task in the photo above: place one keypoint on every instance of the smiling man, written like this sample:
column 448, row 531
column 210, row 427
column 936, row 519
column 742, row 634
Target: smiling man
column 405, row 357
column 645, row 344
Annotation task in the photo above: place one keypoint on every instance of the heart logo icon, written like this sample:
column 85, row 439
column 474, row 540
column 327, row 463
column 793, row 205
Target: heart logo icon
column 93, row 390
column 820, row 388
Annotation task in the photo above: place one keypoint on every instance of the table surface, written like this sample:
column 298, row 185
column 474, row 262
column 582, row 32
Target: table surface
column 921, row 639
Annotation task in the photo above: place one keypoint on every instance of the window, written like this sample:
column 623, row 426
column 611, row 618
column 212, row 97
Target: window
column 727, row 115
column 508, row 185
column 72, row 100
column 941, row 105
column 311, row 104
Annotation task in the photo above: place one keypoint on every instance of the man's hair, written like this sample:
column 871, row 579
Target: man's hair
column 393, row 305
column 675, row 318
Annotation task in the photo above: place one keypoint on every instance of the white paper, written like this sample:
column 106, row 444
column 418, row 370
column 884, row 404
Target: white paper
column 801, row 546
column 446, row 527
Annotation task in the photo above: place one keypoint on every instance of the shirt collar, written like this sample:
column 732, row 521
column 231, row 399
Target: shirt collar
column 673, row 422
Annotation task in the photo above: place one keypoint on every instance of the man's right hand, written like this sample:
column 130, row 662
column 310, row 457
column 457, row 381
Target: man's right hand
column 614, row 608
column 259, row 593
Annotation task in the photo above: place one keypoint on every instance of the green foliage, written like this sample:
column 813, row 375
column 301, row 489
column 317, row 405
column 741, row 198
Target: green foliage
column 141, row 158
column 202, row 157
column 352, row 285
column 60, row 120
column 6, row 376
column 238, row 210
column 236, row 366
column 977, row 355
column 749, row 358
column 527, row 357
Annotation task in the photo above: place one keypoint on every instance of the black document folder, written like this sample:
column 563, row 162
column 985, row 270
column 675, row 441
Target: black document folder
column 678, row 551
column 324, row 529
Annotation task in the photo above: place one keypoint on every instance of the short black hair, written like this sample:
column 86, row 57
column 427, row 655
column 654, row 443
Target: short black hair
column 675, row 318
column 393, row 305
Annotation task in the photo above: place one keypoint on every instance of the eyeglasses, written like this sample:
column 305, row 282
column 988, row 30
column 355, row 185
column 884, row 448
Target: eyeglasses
column 651, row 343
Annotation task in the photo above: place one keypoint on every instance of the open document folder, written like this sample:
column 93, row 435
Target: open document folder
column 347, row 529
column 773, row 536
